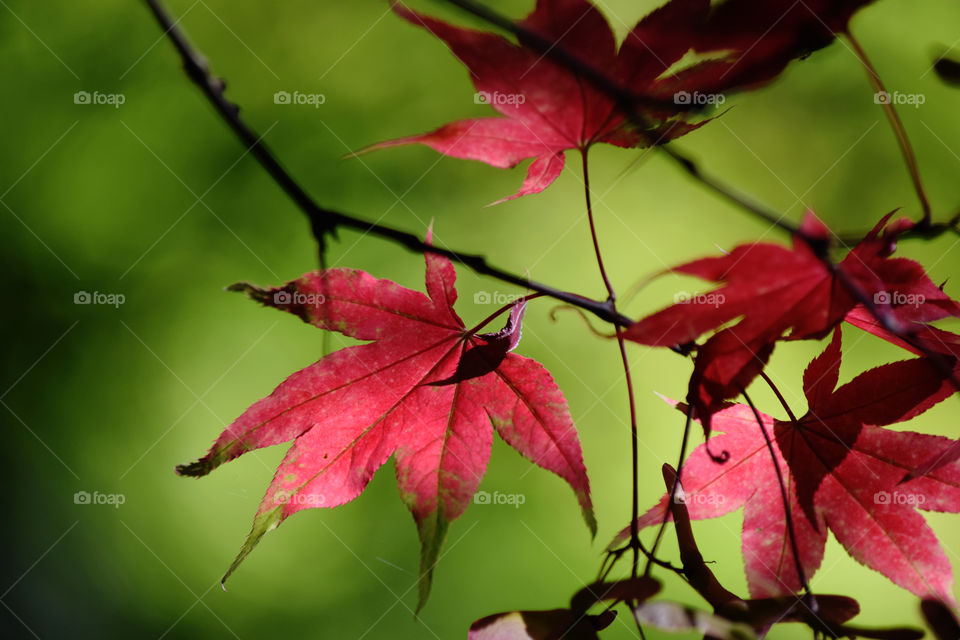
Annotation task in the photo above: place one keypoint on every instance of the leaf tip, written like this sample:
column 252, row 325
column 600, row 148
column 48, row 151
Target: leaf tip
column 251, row 291
column 195, row 469
column 264, row 522
column 591, row 521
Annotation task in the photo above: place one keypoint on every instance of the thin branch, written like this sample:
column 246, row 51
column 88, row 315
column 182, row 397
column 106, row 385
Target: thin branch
column 675, row 486
column 324, row 222
column 776, row 392
column 627, row 102
column 635, row 543
column 791, row 530
column 896, row 124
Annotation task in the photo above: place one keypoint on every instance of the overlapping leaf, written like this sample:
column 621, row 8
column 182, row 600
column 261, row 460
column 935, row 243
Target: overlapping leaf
column 546, row 108
column 424, row 389
column 921, row 338
column 774, row 292
column 841, row 469
column 768, row 34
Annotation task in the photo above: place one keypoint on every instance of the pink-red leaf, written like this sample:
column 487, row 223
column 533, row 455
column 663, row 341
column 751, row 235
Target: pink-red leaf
column 424, row 389
column 772, row 292
column 841, row 469
column 546, row 108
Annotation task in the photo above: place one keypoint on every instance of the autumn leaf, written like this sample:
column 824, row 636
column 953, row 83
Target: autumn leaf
column 552, row 624
column 574, row 623
column 921, row 339
column 423, row 389
column 546, row 108
column 771, row 292
column 841, row 469
column 771, row 33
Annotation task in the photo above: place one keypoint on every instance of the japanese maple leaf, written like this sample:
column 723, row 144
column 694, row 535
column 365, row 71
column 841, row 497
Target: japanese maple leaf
column 423, row 389
column 774, row 292
column 765, row 35
column 925, row 340
column 546, row 108
column 841, row 469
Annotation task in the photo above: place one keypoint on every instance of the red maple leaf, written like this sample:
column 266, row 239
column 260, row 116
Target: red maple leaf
column 925, row 340
column 547, row 108
column 841, row 469
column 775, row 292
column 424, row 389
column 767, row 35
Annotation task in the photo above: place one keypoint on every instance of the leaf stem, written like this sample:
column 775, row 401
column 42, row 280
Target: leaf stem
column 628, row 102
column 676, row 483
column 791, row 530
column 635, row 543
column 501, row 310
column 882, row 97
column 776, row 392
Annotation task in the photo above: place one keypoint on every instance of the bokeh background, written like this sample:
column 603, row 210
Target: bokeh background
column 156, row 201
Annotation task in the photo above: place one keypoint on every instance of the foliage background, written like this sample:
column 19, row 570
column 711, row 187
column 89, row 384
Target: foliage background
column 155, row 200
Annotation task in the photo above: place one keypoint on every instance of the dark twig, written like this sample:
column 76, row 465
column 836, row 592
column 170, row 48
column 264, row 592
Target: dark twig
column 898, row 129
column 324, row 222
column 635, row 544
column 791, row 530
column 627, row 102
column 675, row 486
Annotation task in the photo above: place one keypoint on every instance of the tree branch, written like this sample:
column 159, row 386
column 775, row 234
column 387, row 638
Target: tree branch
column 325, row 222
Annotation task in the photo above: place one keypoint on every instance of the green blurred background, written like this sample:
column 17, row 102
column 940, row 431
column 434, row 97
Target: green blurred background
column 156, row 201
